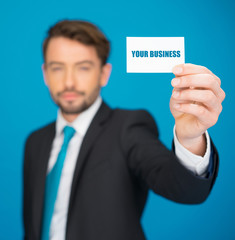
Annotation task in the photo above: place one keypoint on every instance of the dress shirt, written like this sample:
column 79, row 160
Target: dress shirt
column 191, row 161
column 195, row 163
column 80, row 124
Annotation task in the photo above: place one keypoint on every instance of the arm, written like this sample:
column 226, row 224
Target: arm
column 26, row 202
column 158, row 167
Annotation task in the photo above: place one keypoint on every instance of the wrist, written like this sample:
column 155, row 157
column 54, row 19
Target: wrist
column 195, row 145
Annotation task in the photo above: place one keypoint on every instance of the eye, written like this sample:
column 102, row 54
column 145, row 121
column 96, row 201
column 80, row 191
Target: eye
column 84, row 68
column 55, row 69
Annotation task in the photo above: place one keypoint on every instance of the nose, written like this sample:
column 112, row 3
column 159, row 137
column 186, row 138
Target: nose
column 69, row 80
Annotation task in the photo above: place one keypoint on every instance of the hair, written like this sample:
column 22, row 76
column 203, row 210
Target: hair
column 83, row 32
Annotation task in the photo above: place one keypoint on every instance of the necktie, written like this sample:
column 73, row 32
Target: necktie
column 52, row 184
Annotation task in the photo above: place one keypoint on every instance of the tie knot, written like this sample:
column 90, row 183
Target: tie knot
column 68, row 133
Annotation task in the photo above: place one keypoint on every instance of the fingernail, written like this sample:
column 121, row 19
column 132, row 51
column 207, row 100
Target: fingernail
column 177, row 70
column 175, row 81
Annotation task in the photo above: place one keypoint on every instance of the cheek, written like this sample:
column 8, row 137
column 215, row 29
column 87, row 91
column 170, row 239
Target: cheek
column 89, row 83
column 55, row 86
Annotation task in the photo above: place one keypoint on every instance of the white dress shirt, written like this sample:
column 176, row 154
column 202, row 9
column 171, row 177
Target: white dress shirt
column 80, row 124
column 195, row 163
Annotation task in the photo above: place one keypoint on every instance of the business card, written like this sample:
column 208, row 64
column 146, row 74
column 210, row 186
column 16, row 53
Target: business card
column 154, row 54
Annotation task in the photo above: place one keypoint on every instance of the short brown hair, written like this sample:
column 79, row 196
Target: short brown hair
column 83, row 32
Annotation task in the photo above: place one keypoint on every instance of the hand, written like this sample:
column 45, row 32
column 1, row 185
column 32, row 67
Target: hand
column 195, row 104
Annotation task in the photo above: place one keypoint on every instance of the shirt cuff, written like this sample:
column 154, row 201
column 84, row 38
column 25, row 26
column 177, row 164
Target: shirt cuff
column 197, row 164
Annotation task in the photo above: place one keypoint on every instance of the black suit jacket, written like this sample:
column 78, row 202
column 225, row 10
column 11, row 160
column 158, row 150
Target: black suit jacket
column 120, row 159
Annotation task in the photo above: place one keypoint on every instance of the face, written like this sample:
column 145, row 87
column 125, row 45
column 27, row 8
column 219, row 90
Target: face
column 73, row 74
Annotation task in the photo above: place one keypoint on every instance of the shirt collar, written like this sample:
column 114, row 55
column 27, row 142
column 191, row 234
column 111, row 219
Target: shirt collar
column 83, row 120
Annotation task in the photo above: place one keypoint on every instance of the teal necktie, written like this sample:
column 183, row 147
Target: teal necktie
column 52, row 184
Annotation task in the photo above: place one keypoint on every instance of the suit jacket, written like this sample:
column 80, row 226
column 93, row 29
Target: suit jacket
column 120, row 159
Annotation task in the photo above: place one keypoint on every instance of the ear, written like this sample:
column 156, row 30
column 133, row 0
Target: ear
column 44, row 72
column 106, row 71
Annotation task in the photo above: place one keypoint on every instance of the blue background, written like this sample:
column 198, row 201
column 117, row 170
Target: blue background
column 25, row 104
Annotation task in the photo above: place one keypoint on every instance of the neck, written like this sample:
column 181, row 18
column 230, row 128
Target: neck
column 69, row 117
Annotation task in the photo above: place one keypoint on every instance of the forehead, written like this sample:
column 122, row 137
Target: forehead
column 70, row 51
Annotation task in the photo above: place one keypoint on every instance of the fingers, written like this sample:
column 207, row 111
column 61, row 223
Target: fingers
column 196, row 92
column 206, row 117
column 204, row 98
column 191, row 69
column 199, row 81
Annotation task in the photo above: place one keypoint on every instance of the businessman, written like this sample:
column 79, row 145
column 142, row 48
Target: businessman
column 87, row 175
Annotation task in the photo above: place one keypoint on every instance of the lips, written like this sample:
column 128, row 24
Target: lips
column 69, row 96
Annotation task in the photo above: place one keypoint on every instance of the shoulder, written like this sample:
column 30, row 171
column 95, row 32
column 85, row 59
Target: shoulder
column 133, row 116
column 136, row 128
column 40, row 134
column 133, row 123
column 121, row 116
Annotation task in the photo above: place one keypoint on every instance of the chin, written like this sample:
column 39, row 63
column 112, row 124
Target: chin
column 73, row 109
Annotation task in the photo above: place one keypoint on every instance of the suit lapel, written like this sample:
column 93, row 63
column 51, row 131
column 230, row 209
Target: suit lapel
column 42, row 162
column 93, row 131
column 40, row 177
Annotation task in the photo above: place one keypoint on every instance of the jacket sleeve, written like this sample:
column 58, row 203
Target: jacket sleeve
column 26, row 197
column 158, row 167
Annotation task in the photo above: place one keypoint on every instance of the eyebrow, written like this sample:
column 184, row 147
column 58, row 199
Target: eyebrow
column 77, row 63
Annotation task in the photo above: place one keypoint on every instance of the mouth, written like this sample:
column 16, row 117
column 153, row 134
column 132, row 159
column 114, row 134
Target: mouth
column 70, row 96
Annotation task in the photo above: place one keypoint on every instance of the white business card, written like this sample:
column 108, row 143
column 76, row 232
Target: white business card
column 154, row 54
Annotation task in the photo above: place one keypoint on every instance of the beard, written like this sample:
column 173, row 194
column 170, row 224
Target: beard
column 70, row 107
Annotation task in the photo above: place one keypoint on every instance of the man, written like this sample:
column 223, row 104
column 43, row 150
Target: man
column 87, row 175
